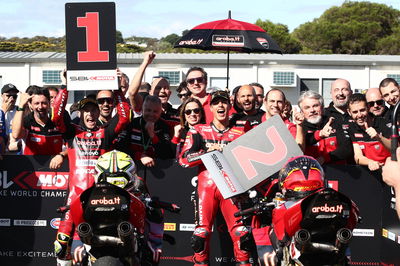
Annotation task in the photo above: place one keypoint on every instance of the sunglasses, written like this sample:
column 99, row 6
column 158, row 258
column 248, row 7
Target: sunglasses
column 103, row 100
column 183, row 95
column 195, row 110
column 12, row 95
column 192, row 81
column 378, row 102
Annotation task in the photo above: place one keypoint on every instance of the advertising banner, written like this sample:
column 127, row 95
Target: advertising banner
column 91, row 46
column 30, row 193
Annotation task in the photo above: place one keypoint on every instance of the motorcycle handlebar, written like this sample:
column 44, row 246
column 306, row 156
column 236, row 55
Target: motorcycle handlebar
column 253, row 210
column 156, row 203
column 63, row 209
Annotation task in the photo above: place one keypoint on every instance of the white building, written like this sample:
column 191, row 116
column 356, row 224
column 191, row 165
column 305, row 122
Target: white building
column 292, row 73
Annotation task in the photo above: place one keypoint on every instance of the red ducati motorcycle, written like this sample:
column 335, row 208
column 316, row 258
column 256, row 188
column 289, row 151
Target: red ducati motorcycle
column 310, row 224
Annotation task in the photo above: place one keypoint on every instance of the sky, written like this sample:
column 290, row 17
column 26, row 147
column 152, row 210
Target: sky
column 159, row 18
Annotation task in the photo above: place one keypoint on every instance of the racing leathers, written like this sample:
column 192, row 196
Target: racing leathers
column 84, row 147
column 198, row 141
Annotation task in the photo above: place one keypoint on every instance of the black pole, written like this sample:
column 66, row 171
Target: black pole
column 394, row 139
column 227, row 71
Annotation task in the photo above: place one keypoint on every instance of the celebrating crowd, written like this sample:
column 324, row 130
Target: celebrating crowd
column 139, row 120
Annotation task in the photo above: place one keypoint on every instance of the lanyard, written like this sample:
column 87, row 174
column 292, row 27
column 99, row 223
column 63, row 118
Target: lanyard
column 145, row 145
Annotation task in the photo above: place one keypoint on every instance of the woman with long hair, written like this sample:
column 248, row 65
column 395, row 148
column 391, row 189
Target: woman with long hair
column 191, row 114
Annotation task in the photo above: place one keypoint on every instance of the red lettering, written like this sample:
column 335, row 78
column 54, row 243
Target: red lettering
column 92, row 53
column 246, row 156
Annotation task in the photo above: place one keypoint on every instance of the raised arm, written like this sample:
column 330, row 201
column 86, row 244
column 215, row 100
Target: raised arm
column 137, row 80
column 18, row 130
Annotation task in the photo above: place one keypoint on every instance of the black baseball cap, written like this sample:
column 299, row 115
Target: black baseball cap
column 9, row 87
column 85, row 101
column 220, row 94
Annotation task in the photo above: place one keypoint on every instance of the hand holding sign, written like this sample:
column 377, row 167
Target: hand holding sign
column 251, row 158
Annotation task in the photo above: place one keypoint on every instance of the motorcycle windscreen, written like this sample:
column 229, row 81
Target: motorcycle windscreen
column 105, row 206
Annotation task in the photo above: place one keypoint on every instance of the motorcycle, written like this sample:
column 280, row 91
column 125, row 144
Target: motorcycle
column 314, row 230
column 110, row 222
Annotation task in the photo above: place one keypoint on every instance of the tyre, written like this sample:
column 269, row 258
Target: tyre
column 108, row 261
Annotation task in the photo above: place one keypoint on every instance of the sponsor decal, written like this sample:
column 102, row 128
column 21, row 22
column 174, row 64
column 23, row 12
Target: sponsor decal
column 333, row 184
column 191, row 42
column 105, row 201
column 187, row 227
column 358, row 135
column 169, row 226
column 264, row 42
column 134, row 137
column 36, row 180
column 34, row 139
column 223, row 173
column 5, row 222
column 91, row 78
column 326, row 208
column 55, row 223
column 30, row 222
column 364, row 232
column 27, row 253
column 392, row 236
column 86, row 162
column 228, row 40
column 384, row 232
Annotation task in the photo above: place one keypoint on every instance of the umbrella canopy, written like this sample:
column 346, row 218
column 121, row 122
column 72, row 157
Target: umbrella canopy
column 229, row 35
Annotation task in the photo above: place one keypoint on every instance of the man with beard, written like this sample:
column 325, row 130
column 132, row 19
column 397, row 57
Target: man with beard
column 38, row 129
column 105, row 101
column 86, row 142
column 160, row 88
column 259, row 94
column 340, row 93
column 149, row 136
column 325, row 140
column 375, row 102
column 246, row 98
column 369, row 135
column 202, row 139
column 274, row 103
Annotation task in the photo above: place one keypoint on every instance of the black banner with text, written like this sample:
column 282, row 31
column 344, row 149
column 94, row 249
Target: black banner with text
column 30, row 193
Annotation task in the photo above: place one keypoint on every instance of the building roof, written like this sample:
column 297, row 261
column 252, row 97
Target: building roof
column 218, row 58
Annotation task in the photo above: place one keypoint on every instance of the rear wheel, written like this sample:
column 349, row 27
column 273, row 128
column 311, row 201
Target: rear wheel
column 108, row 261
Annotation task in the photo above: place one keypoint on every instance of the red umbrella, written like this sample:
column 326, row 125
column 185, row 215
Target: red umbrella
column 229, row 35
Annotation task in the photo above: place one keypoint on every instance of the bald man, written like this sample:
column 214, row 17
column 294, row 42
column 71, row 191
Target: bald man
column 375, row 102
column 247, row 101
column 340, row 94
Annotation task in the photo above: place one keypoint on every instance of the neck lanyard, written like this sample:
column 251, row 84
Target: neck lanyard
column 145, row 145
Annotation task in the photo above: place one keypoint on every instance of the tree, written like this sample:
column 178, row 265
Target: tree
column 118, row 37
column 390, row 44
column 353, row 28
column 171, row 38
column 280, row 33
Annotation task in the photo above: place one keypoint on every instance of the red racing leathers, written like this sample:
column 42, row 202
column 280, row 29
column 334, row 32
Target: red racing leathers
column 84, row 147
column 197, row 143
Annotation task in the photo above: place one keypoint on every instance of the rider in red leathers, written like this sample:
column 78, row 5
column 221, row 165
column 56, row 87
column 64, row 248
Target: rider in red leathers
column 85, row 142
column 205, row 138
